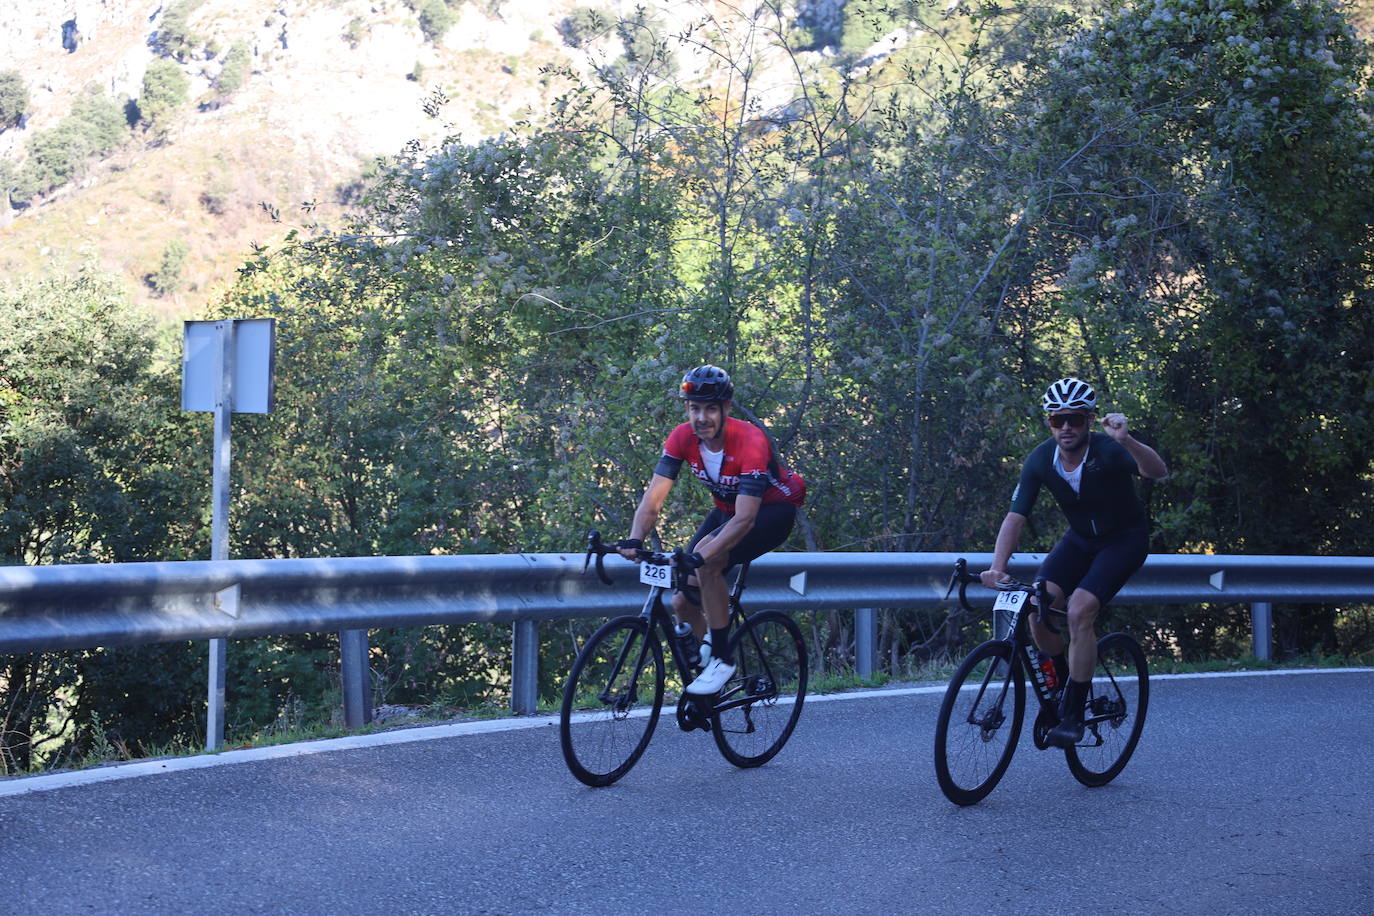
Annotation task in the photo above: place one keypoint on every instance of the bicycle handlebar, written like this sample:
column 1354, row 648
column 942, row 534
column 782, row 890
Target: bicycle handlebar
column 682, row 562
column 962, row 577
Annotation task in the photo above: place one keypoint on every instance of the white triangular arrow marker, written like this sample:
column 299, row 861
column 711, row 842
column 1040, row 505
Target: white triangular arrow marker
column 227, row 600
column 798, row 583
column 1218, row 580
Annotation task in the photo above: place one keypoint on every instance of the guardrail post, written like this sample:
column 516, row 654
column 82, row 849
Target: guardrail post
column 865, row 640
column 1262, row 629
column 357, row 678
column 524, row 680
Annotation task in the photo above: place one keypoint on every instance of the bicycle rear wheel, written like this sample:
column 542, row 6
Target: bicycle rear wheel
column 612, row 701
column 1116, row 712
column 758, row 708
column 976, row 732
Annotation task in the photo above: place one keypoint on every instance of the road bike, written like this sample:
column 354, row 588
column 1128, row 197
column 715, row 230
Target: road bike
column 984, row 707
column 615, row 691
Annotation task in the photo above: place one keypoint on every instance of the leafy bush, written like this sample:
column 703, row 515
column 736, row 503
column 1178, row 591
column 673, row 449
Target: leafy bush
column 355, row 33
column 235, row 69
column 167, row 279
column 436, row 18
column 584, row 25
column 95, row 127
column 174, row 36
column 165, row 89
column 93, row 447
column 14, row 98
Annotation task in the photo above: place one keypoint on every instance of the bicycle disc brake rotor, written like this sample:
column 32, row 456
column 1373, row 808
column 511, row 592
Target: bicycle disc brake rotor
column 760, row 687
column 1113, row 710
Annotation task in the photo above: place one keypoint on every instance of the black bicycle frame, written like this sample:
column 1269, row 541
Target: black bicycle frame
column 1023, row 655
column 656, row 615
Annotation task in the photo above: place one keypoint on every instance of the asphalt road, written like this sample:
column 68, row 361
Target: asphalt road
column 1249, row 794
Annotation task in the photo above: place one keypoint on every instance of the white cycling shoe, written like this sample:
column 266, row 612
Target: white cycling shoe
column 712, row 678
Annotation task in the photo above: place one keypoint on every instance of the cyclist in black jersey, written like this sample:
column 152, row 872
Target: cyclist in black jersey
column 1090, row 475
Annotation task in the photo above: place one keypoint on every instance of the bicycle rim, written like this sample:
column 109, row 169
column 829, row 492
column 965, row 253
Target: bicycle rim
column 979, row 723
column 759, row 707
column 1116, row 712
column 612, row 701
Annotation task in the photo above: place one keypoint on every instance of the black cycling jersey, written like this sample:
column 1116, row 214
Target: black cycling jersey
column 1106, row 502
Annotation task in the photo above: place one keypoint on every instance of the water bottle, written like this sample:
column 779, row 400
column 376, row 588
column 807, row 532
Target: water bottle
column 1047, row 669
column 690, row 650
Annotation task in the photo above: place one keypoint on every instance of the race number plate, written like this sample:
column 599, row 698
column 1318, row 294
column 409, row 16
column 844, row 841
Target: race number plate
column 1009, row 601
column 659, row 574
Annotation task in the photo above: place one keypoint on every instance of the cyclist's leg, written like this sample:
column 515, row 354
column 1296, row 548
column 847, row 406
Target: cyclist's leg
column 1046, row 640
column 1064, row 566
column 1113, row 564
column 1083, row 608
column 770, row 529
column 688, row 605
column 1114, row 561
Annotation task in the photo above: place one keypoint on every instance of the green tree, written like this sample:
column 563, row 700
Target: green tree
column 174, row 35
column 56, row 156
column 1203, row 249
column 93, row 468
column 167, row 278
column 14, row 98
column 235, row 69
column 436, row 18
column 585, row 24
column 101, row 119
column 165, row 90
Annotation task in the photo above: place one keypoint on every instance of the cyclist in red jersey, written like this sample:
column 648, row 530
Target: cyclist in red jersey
column 756, row 501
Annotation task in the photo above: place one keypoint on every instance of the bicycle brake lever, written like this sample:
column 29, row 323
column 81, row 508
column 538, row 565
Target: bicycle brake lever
column 960, row 566
column 596, row 549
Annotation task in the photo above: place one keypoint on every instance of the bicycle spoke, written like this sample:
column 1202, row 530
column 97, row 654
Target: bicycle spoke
column 758, row 709
column 1116, row 712
column 977, row 729
column 612, row 701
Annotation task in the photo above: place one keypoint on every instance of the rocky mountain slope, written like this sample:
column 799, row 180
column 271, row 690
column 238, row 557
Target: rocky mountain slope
column 331, row 84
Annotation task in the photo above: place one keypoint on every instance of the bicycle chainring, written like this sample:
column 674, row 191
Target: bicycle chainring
column 1044, row 721
column 690, row 715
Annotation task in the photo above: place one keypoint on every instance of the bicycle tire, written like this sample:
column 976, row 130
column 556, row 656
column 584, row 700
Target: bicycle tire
column 1116, row 712
column 974, row 736
column 604, row 725
column 758, row 708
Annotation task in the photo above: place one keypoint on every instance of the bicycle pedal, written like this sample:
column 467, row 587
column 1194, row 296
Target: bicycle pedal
column 689, row 715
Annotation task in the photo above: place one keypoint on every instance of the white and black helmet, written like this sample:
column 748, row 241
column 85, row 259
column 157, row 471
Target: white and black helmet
column 1069, row 394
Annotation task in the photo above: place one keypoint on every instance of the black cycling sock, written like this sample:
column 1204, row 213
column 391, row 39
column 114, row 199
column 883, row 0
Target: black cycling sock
column 720, row 644
column 1075, row 695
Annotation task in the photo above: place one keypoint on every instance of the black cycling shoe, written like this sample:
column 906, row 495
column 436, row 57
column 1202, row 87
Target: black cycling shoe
column 1067, row 733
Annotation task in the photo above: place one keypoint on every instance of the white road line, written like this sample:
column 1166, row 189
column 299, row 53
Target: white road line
column 22, row 785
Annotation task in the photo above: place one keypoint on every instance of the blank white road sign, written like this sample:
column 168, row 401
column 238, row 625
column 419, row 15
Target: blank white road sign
column 254, row 345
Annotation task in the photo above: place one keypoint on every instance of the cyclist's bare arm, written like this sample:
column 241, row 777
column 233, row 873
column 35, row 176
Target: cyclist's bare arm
column 646, row 515
column 1147, row 460
column 1007, row 538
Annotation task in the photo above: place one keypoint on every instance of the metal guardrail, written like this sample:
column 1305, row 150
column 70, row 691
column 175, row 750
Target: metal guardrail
column 46, row 608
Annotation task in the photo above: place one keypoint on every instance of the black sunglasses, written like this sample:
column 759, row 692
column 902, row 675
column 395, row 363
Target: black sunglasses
column 1073, row 420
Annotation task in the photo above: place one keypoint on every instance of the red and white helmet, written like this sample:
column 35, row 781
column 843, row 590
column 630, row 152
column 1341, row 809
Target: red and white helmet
column 1069, row 394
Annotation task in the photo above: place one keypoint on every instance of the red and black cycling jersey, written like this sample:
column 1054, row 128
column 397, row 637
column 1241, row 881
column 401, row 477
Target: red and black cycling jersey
column 747, row 467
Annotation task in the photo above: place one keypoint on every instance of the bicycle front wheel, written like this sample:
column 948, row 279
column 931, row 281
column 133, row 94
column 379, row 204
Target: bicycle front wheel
column 1116, row 712
column 979, row 723
column 759, row 707
column 612, row 701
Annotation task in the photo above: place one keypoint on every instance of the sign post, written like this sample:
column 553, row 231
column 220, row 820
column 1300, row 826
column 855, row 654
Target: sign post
column 226, row 367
